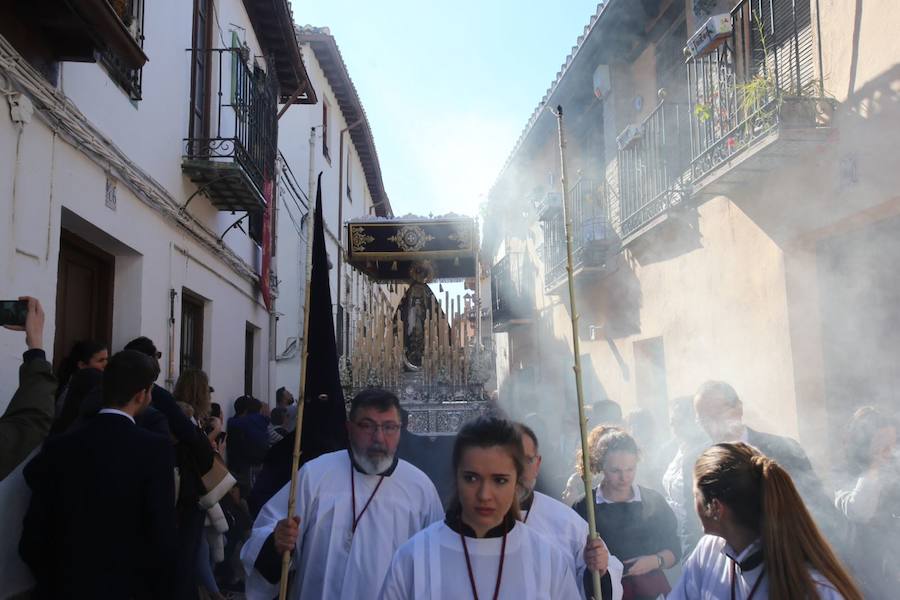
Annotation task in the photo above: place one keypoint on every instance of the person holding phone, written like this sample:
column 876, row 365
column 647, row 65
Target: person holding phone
column 28, row 417
column 636, row 523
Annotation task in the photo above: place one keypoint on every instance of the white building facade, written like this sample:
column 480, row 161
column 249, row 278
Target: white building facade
column 122, row 177
column 333, row 138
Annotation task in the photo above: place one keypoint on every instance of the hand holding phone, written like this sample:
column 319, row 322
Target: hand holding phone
column 24, row 314
column 13, row 313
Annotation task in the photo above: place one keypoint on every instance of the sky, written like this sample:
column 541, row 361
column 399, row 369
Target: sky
column 448, row 86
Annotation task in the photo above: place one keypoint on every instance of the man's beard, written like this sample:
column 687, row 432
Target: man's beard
column 526, row 489
column 377, row 462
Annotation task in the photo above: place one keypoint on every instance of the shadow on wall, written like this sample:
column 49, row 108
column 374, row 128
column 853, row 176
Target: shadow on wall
column 851, row 171
column 611, row 303
column 677, row 235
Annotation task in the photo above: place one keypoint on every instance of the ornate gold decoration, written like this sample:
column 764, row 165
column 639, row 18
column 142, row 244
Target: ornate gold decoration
column 411, row 238
column 359, row 239
column 463, row 237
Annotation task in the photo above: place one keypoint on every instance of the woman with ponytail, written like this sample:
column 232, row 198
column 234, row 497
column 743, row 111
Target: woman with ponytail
column 760, row 540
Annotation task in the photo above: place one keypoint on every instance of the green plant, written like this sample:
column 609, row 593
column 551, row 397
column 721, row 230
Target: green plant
column 703, row 112
column 755, row 95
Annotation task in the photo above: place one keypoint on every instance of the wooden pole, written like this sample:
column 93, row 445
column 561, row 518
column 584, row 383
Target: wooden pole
column 579, row 389
column 301, row 400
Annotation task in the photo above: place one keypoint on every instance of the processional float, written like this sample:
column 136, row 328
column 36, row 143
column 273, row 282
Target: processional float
column 430, row 353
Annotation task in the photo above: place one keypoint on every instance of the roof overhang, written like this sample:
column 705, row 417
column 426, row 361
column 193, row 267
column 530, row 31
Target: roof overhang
column 439, row 248
column 274, row 28
column 329, row 57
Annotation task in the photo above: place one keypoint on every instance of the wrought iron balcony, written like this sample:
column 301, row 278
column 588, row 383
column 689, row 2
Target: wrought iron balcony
column 652, row 159
column 592, row 235
column 755, row 92
column 232, row 138
column 512, row 291
column 108, row 31
column 548, row 204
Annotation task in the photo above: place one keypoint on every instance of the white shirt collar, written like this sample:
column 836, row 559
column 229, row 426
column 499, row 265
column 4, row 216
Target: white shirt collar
column 116, row 411
column 600, row 499
column 728, row 551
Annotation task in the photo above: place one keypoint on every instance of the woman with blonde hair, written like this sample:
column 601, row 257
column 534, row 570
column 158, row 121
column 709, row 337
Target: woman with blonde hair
column 574, row 491
column 192, row 388
column 760, row 540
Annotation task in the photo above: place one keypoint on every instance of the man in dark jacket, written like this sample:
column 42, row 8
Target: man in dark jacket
column 194, row 458
column 101, row 521
column 720, row 413
column 29, row 415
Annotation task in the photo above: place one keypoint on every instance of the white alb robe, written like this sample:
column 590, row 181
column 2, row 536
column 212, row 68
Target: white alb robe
column 707, row 574
column 405, row 503
column 564, row 527
column 432, row 566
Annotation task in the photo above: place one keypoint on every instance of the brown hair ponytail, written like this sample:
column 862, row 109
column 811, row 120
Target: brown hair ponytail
column 763, row 498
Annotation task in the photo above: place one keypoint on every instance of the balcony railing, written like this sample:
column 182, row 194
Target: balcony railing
column 651, row 165
column 512, row 290
column 548, row 204
column 121, row 66
column 592, row 235
column 760, row 79
column 231, row 149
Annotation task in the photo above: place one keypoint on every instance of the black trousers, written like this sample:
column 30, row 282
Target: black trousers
column 190, row 528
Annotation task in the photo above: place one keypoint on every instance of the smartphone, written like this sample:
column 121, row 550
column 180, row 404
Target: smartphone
column 13, row 312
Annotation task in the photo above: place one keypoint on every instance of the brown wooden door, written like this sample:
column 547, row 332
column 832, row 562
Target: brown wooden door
column 84, row 295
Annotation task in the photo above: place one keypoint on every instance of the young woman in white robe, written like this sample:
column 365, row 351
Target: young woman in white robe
column 760, row 540
column 481, row 550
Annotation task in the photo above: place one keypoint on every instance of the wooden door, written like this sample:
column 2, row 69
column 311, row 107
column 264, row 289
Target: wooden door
column 84, row 295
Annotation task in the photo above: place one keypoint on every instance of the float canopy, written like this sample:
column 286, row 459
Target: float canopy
column 408, row 248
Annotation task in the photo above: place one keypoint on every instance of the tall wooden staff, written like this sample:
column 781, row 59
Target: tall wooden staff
column 579, row 390
column 298, row 428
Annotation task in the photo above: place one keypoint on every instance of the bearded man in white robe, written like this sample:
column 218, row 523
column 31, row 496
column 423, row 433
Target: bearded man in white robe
column 559, row 523
column 354, row 509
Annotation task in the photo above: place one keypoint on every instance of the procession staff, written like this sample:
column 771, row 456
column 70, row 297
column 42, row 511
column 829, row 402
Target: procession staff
column 354, row 509
column 761, row 541
column 558, row 522
column 481, row 550
column 573, row 314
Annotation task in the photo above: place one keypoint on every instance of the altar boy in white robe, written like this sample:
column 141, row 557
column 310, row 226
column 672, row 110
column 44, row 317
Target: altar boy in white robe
column 481, row 549
column 354, row 509
column 560, row 523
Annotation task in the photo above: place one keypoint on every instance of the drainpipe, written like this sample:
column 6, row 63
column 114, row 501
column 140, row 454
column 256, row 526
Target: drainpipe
column 340, row 226
column 311, row 197
column 311, row 181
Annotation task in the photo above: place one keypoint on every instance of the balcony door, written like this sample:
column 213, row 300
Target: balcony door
column 201, row 56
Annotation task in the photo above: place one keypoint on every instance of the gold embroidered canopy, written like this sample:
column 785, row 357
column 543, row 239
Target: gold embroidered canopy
column 397, row 249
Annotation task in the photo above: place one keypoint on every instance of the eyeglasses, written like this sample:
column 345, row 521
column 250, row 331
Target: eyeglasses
column 371, row 427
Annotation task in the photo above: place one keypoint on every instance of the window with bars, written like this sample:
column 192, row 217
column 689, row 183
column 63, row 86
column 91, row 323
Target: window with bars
column 191, row 331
